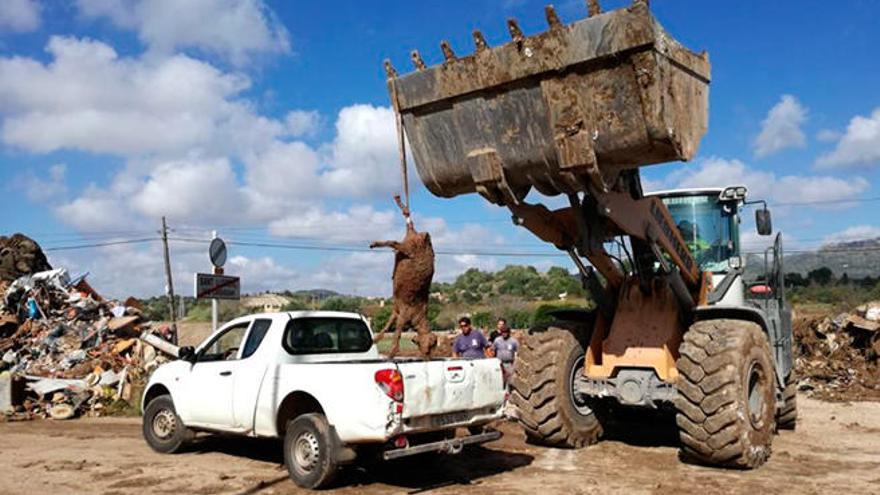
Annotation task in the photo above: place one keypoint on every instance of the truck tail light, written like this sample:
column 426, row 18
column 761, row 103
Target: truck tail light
column 391, row 382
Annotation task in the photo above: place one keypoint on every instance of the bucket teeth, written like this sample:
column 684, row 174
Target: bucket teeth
column 389, row 69
column 480, row 41
column 417, row 60
column 552, row 18
column 593, row 7
column 448, row 54
column 515, row 32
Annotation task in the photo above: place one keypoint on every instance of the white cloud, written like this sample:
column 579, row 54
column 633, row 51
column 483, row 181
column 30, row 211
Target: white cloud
column 90, row 99
column 360, row 223
column 236, row 30
column 854, row 233
column 828, row 135
column 195, row 190
column 95, row 211
column 859, row 146
column 364, row 153
column 49, row 188
column 719, row 172
column 19, row 15
column 301, row 123
column 781, row 128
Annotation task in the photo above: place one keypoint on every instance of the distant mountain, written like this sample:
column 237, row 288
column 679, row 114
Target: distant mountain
column 857, row 259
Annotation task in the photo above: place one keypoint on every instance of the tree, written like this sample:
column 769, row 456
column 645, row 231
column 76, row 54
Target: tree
column 342, row 303
column 820, row 276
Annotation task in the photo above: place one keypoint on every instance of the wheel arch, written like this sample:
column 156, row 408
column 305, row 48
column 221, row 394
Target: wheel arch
column 153, row 391
column 295, row 404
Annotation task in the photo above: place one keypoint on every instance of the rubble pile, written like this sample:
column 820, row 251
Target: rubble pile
column 837, row 358
column 66, row 351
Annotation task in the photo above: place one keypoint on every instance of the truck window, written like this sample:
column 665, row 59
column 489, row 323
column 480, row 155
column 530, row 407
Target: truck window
column 326, row 336
column 225, row 346
column 258, row 331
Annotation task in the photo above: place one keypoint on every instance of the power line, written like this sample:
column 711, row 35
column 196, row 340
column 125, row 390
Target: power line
column 354, row 249
column 101, row 244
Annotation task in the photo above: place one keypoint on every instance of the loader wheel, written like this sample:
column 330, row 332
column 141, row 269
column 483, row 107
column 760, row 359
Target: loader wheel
column 726, row 394
column 786, row 419
column 543, row 390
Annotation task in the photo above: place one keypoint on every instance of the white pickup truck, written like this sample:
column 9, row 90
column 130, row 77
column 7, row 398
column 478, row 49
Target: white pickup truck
column 315, row 379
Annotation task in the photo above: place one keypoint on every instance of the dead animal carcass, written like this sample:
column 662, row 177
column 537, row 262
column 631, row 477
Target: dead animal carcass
column 413, row 271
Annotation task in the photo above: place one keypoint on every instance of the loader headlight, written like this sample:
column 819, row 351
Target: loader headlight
column 734, row 193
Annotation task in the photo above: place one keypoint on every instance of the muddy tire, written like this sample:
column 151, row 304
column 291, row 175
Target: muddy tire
column 786, row 418
column 726, row 394
column 310, row 451
column 162, row 427
column 542, row 392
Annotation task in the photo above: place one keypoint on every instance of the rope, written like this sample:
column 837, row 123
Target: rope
column 401, row 142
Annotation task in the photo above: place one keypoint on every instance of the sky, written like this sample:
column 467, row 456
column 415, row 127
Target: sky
column 269, row 122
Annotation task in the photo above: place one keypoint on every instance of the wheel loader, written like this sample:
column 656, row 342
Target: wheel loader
column 576, row 111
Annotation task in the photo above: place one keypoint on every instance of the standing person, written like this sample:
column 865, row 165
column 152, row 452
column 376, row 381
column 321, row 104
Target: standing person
column 505, row 347
column 499, row 327
column 469, row 344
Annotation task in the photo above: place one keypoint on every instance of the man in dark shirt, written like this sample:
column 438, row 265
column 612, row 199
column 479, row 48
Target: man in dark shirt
column 469, row 344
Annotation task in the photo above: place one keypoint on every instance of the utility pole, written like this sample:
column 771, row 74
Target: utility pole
column 169, row 289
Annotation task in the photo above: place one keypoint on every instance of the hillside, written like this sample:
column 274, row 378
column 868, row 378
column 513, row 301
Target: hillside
column 858, row 259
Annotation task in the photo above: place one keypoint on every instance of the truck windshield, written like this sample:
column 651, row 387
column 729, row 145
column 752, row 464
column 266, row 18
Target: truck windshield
column 706, row 228
column 326, row 336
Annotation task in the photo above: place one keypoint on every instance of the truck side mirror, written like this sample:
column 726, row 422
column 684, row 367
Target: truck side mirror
column 187, row 353
column 763, row 222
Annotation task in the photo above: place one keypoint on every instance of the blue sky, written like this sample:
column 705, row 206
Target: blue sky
column 270, row 123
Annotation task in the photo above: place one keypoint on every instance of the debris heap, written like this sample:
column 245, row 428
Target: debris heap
column 65, row 350
column 837, row 358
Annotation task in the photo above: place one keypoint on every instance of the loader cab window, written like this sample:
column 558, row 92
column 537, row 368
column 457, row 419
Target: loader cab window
column 708, row 227
column 326, row 336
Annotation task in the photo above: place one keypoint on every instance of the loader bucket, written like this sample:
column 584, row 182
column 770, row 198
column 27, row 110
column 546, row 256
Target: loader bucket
column 562, row 111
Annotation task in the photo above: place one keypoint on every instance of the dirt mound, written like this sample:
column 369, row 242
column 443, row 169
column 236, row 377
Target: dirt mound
column 837, row 358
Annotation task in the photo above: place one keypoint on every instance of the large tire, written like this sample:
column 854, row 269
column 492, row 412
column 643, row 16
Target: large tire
column 726, row 394
column 163, row 429
column 542, row 392
column 786, row 418
column 310, row 451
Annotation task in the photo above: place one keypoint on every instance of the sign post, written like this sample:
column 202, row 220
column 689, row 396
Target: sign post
column 216, row 286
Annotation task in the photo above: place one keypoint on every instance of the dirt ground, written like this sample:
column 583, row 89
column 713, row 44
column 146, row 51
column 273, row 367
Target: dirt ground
column 836, row 448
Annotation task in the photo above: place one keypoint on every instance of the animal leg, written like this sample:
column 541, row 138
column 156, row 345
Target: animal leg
column 425, row 338
column 391, row 319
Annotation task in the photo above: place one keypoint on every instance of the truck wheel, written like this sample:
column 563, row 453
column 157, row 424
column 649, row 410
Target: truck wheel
column 786, row 419
column 310, row 451
column 726, row 394
column 543, row 390
column 163, row 429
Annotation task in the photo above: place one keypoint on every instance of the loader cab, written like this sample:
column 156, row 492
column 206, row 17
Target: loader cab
column 708, row 219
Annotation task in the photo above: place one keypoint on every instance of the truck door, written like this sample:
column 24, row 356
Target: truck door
column 211, row 381
column 248, row 376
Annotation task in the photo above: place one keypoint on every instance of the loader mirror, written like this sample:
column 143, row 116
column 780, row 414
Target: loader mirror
column 763, row 222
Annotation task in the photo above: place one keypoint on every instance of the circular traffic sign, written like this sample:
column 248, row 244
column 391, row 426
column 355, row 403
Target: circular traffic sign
column 217, row 252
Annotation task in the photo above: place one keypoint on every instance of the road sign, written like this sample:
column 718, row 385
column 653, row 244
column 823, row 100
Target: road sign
column 217, row 252
column 209, row 286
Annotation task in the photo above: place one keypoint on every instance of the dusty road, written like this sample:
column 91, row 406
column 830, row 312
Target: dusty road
column 836, row 449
